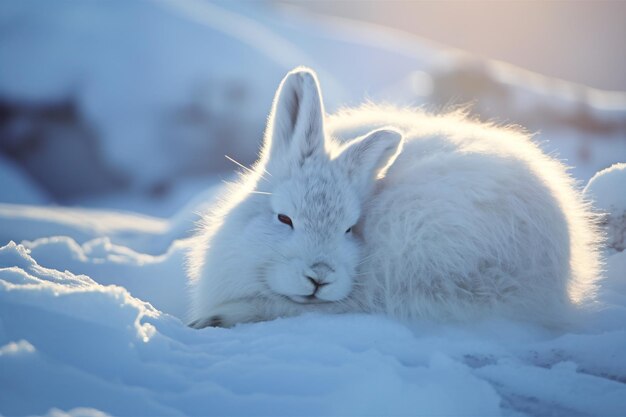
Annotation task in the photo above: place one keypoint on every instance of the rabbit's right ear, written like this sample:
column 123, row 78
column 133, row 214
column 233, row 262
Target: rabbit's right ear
column 295, row 129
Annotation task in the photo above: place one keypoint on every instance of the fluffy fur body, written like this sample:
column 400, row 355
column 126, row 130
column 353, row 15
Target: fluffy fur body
column 419, row 216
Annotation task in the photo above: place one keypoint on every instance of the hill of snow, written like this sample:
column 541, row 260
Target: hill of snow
column 133, row 109
column 129, row 107
column 92, row 321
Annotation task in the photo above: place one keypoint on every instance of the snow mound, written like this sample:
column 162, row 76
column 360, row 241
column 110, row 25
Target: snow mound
column 607, row 189
column 17, row 188
column 141, row 233
column 146, row 107
column 156, row 279
column 96, row 343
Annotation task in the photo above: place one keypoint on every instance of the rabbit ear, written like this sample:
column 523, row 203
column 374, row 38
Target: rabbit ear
column 366, row 157
column 296, row 124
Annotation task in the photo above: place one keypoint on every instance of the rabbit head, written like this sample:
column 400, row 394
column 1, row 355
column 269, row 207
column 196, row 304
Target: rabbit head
column 316, row 189
column 282, row 239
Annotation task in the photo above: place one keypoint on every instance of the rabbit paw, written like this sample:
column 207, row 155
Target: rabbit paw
column 227, row 315
column 213, row 321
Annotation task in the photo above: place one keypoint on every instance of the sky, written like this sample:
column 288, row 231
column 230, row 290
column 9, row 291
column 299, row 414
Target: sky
column 580, row 41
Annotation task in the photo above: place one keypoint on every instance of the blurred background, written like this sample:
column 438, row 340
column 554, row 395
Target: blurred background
column 133, row 105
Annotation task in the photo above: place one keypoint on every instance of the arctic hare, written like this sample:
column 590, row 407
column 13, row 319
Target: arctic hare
column 392, row 211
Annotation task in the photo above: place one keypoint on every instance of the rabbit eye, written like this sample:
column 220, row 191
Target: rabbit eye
column 349, row 230
column 285, row 219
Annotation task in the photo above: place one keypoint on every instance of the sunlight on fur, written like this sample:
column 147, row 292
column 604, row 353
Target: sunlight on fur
column 393, row 211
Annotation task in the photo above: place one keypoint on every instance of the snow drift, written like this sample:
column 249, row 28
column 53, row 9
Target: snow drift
column 92, row 301
column 108, row 338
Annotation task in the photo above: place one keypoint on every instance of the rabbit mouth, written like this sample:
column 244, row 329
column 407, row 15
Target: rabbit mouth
column 306, row 299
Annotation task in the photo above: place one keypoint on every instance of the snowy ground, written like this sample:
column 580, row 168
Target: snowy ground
column 93, row 301
column 92, row 321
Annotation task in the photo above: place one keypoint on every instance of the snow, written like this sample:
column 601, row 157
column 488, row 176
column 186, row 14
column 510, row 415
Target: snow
column 17, row 188
column 93, row 299
column 168, row 98
column 607, row 189
column 90, row 326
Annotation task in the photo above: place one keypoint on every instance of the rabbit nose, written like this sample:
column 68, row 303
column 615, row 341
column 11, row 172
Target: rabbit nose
column 317, row 274
column 320, row 271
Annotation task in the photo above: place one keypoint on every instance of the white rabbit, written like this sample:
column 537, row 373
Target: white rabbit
column 458, row 220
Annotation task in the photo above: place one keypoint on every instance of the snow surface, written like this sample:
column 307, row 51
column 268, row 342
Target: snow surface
column 607, row 189
column 93, row 301
column 92, row 321
column 17, row 187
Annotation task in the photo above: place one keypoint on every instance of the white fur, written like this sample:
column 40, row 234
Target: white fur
column 463, row 220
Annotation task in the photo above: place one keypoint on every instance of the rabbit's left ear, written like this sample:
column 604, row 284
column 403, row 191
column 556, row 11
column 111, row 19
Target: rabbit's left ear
column 295, row 128
column 366, row 157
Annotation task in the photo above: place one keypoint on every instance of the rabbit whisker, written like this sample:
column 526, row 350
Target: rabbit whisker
column 243, row 166
column 364, row 260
